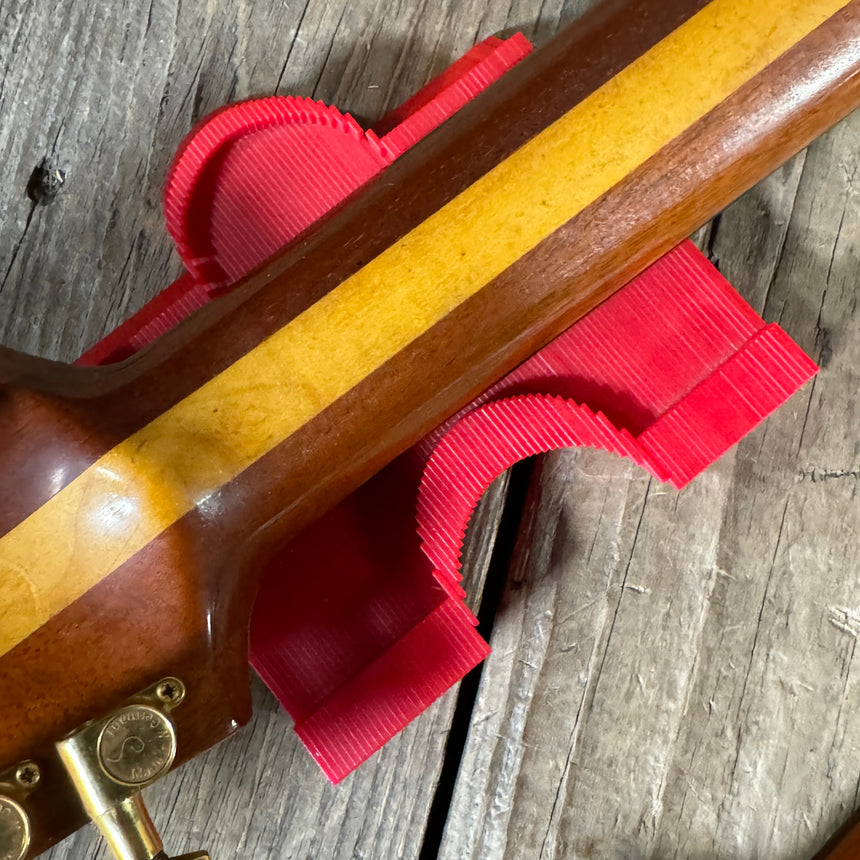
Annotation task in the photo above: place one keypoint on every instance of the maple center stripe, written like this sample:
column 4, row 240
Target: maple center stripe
column 153, row 478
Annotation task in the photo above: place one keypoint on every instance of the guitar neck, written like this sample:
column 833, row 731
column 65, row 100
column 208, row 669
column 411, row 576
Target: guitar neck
column 474, row 250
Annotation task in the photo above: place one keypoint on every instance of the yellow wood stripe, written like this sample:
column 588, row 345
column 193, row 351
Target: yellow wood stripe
column 145, row 484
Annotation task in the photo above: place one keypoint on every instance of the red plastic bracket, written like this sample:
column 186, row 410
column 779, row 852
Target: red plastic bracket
column 360, row 624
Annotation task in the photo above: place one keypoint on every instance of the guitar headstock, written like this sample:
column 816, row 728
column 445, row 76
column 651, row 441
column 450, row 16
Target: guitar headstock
column 164, row 611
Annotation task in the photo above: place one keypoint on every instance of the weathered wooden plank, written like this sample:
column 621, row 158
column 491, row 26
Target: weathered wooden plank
column 672, row 674
column 650, row 691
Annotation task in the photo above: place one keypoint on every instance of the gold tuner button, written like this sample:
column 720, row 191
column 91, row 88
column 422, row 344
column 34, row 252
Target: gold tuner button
column 109, row 760
column 14, row 830
column 137, row 745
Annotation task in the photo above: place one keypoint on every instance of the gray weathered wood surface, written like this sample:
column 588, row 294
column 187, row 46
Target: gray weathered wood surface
column 674, row 674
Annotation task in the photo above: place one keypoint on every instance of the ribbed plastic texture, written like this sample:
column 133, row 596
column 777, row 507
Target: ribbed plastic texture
column 670, row 372
column 360, row 623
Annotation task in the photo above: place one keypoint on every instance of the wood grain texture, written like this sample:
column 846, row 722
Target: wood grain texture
column 654, row 651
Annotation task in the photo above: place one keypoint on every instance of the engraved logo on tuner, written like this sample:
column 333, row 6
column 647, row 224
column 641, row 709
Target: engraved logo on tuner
column 137, row 745
column 14, row 830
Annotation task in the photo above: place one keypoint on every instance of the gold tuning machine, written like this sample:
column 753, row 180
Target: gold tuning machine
column 110, row 760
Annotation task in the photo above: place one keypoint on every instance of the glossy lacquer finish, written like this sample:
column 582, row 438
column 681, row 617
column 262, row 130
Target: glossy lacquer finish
column 139, row 499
